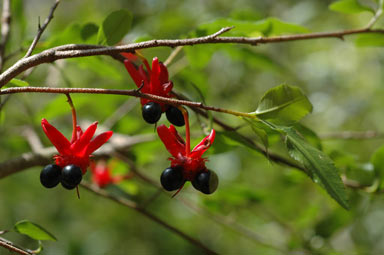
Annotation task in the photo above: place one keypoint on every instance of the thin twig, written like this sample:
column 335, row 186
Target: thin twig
column 172, row 56
column 12, row 248
column 353, row 135
column 74, row 51
column 5, row 29
column 134, row 92
column 377, row 15
column 134, row 206
column 40, row 29
column 126, row 107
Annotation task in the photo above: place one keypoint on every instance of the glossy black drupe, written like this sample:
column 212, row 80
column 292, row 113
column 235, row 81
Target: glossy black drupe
column 151, row 112
column 172, row 179
column 206, row 182
column 71, row 176
column 175, row 116
column 50, row 176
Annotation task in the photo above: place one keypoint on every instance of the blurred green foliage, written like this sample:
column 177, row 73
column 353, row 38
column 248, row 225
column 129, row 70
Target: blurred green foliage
column 279, row 205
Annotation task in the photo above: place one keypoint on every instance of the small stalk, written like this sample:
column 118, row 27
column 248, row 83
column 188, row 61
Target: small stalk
column 74, row 118
column 187, row 131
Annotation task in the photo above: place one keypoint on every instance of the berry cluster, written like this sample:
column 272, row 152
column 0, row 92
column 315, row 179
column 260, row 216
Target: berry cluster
column 187, row 165
column 74, row 156
column 205, row 181
column 155, row 82
column 70, row 176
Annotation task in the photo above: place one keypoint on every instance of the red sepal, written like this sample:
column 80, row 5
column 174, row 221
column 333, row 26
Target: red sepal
column 56, row 137
column 172, row 141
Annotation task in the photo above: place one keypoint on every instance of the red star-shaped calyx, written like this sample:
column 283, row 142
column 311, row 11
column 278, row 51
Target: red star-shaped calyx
column 151, row 81
column 77, row 151
column 191, row 162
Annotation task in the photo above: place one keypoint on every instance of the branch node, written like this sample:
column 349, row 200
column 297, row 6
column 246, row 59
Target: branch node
column 138, row 90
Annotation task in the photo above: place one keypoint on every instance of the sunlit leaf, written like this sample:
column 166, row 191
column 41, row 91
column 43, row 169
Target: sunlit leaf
column 33, row 230
column 370, row 40
column 199, row 55
column 283, row 104
column 278, row 27
column 17, row 83
column 318, row 163
column 349, row 6
column 114, row 27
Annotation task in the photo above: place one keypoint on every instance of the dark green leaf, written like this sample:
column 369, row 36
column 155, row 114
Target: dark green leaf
column 349, row 6
column 370, row 40
column 71, row 34
column 283, row 104
column 229, row 140
column 363, row 174
column 88, row 30
column 309, row 135
column 114, row 27
column 258, row 129
column 253, row 59
column 33, row 230
column 318, row 163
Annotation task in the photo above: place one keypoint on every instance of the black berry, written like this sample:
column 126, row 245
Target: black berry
column 172, row 179
column 71, row 176
column 151, row 112
column 206, row 182
column 175, row 116
column 50, row 176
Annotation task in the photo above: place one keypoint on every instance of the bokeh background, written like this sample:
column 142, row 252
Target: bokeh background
column 260, row 207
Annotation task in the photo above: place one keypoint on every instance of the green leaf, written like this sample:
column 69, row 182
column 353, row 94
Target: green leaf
column 199, row 55
column 253, row 59
column 258, row 129
column 18, row 83
column 349, row 6
column 309, row 135
column 114, row 27
column 88, row 30
column 71, row 34
column 318, row 163
column 33, row 230
column 278, row 27
column 370, row 40
column 364, row 174
column 283, row 104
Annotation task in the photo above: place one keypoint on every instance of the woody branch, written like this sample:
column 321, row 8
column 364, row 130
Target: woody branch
column 84, row 50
